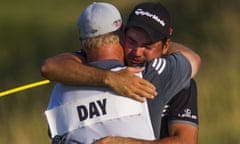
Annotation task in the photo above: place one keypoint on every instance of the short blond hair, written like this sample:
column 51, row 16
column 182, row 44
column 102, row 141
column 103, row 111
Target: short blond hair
column 99, row 41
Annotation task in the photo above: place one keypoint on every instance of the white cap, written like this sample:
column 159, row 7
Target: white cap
column 99, row 18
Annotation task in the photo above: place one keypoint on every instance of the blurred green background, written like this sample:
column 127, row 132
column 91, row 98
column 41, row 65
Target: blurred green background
column 31, row 31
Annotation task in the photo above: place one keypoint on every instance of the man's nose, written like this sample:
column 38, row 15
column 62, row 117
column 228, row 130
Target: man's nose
column 138, row 51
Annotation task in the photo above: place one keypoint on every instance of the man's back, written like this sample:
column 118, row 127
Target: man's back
column 96, row 113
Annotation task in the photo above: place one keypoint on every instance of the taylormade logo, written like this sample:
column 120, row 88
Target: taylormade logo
column 148, row 14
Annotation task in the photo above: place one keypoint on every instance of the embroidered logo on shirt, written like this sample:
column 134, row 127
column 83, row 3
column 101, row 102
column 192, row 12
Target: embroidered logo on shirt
column 187, row 114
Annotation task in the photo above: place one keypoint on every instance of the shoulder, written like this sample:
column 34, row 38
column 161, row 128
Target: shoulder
column 170, row 65
column 172, row 60
column 177, row 58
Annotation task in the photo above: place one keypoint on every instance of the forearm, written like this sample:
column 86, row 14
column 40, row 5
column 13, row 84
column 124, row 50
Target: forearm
column 123, row 140
column 194, row 58
column 169, row 140
column 178, row 134
column 68, row 69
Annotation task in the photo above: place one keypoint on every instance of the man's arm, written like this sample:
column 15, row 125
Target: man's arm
column 194, row 58
column 179, row 133
column 182, row 117
column 67, row 68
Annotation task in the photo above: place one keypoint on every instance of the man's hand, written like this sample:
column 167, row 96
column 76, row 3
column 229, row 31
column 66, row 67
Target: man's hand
column 126, row 83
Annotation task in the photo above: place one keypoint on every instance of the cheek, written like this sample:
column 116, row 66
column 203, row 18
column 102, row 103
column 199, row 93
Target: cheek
column 126, row 48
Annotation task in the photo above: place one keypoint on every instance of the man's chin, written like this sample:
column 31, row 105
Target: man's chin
column 134, row 64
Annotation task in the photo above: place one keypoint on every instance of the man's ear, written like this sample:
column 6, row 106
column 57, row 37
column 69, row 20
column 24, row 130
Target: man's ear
column 166, row 47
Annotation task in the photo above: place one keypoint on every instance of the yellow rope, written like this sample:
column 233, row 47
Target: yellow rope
column 24, row 87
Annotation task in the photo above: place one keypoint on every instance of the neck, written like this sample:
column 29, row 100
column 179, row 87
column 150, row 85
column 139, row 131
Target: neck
column 109, row 52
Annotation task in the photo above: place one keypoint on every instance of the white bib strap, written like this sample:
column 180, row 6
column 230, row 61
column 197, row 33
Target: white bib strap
column 90, row 110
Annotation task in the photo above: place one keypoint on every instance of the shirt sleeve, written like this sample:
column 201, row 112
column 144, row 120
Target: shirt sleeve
column 183, row 107
column 169, row 75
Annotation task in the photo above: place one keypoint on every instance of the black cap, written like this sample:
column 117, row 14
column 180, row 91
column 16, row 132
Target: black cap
column 153, row 18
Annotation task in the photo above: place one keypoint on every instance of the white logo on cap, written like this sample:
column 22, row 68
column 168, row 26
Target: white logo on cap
column 117, row 23
column 148, row 14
